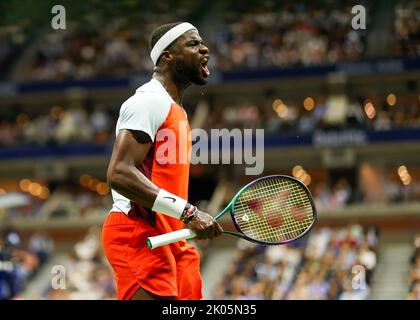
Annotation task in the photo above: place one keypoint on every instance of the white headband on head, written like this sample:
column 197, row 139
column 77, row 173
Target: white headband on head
column 168, row 38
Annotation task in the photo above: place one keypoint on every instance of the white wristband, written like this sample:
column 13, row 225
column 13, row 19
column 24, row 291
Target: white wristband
column 169, row 204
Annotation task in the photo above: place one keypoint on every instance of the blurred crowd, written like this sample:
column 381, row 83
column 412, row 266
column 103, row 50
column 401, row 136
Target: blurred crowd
column 96, row 123
column 87, row 51
column 13, row 39
column 406, row 26
column 20, row 262
column 329, row 264
column 58, row 127
column 88, row 274
column 31, row 207
column 337, row 196
column 67, row 199
column 250, row 34
column 80, row 203
column 373, row 112
column 281, row 34
column 414, row 276
column 109, row 41
column 342, row 193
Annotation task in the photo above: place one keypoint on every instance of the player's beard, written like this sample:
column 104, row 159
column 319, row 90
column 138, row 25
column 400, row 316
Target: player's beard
column 190, row 72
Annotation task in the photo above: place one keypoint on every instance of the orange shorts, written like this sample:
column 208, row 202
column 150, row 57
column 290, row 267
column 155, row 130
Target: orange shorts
column 163, row 271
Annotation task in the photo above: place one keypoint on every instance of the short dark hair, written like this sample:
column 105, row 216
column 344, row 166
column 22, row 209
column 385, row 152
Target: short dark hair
column 159, row 32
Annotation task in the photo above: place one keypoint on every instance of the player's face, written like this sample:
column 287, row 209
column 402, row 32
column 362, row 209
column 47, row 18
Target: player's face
column 191, row 58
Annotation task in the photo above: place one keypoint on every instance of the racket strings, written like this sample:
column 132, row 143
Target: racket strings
column 274, row 210
column 272, row 216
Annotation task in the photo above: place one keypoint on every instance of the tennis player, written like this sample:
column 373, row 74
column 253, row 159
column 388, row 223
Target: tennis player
column 150, row 195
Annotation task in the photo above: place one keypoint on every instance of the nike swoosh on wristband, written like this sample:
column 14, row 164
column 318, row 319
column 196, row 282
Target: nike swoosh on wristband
column 173, row 199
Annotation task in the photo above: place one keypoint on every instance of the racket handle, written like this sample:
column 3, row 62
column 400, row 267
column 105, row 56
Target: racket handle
column 167, row 238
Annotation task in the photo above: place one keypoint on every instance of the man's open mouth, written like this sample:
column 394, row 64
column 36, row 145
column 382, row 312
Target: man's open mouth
column 204, row 67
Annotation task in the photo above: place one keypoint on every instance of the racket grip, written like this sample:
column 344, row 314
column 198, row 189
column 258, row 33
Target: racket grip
column 167, row 238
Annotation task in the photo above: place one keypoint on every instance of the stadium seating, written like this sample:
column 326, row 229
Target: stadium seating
column 320, row 268
column 414, row 276
column 19, row 262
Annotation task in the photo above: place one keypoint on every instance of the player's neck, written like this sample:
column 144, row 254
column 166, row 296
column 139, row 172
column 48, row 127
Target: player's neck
column 174, row 88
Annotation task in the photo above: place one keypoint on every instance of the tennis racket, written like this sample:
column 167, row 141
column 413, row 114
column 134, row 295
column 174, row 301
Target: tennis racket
column 270, row 210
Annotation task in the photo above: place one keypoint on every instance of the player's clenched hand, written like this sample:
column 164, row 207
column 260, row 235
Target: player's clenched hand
column 204, row 226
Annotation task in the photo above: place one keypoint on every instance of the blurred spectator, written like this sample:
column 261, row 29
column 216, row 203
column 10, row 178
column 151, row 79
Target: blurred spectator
column 41, row 245
column 17, row 265
column 340, row 194
column 73, row 126
column 406, row 24
column 367, row 258
column 101, row 124
column 322, row 195
column 335, row 196
column 81, row 202
column 414, row 277
column 89, row 276
column 13, row 39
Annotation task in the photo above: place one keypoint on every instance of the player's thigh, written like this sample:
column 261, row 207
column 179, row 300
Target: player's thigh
column 189, row 280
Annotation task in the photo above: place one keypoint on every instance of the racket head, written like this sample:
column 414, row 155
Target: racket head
column 273, row 210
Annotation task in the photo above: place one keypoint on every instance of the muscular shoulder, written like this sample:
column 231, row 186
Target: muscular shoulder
column 146, row 110
column 148, row 96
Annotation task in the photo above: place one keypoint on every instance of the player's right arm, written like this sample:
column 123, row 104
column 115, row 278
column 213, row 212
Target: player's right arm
column 130, row 150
